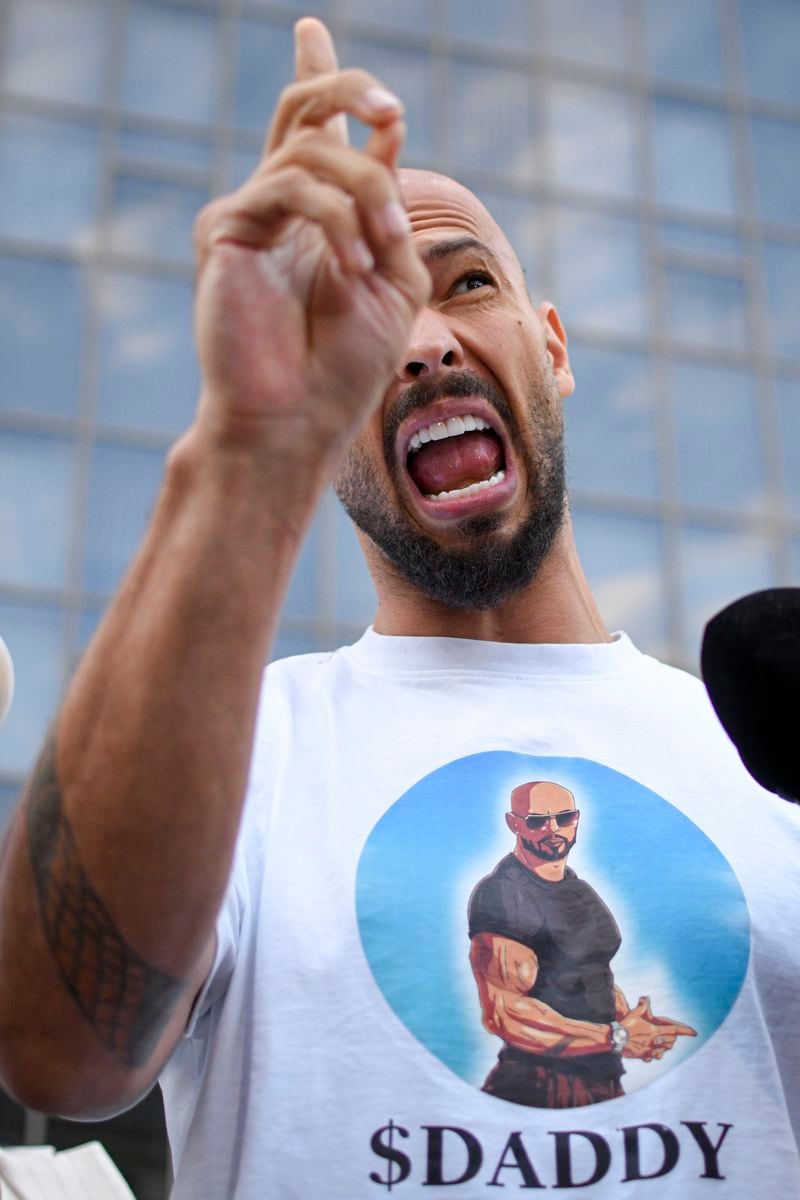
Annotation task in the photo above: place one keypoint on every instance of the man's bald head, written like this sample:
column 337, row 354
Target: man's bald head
column 541, row 799
column 433, row 200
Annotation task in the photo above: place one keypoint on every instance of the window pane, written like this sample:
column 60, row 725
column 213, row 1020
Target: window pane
column 707, row 310
column 155, row 219
column 33, row 635
column 416, row 16
column 782, row 271
column 789, row 406
column 718, row 567
column 57, row 49
column 771, row 36
column 123, row 486
column 493, row 126
column 36, row 501
column 693, row 157
column 148, row 367
column 777, row 157
column 611, row 424
column 705, row 243
column 169, row 67
column 41, row 326
column 48, row 179
column 354, row 595
column 521, row 221
column 600, row 273
column 719, row 439
column 163, row 149
column 241, row 166
column 586, row 31
column 622, row 557
column 265, row 66
column 595, row 139
column 410, row 75
column 302, row 600
column 683, row 41
column 509, row 24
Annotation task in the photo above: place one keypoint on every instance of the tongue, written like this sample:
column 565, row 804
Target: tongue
column 455, row 462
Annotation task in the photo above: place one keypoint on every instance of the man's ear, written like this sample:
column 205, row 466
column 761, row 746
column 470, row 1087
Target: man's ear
column 556, row 341
column 510, row 822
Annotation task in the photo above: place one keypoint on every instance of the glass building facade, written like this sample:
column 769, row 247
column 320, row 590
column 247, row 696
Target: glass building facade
column 644, row 158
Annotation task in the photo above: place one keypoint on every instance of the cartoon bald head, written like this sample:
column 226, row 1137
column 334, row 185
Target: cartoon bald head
column 544, row 820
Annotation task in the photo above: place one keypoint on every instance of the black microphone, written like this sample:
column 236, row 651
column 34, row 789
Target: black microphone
column 750, row 660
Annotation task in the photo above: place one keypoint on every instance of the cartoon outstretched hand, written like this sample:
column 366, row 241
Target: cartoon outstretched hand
column 649, row 1036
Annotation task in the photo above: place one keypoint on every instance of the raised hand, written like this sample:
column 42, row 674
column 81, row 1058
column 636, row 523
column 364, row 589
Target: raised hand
column 308, row 281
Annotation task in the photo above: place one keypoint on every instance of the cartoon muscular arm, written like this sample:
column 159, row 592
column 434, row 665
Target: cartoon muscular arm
column 505, row 972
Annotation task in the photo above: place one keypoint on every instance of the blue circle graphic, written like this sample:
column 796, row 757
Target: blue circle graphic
column 681, row 912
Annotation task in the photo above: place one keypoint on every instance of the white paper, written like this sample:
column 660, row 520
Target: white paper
column 39, row 1173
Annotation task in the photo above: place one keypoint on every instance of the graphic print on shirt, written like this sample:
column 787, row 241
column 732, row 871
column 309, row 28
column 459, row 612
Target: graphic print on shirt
column 541, row 981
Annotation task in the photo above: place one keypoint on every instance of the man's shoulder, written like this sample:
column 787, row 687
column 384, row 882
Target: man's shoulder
column 506, row 902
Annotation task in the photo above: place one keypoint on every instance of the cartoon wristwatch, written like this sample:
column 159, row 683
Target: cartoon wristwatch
column 619, row 1036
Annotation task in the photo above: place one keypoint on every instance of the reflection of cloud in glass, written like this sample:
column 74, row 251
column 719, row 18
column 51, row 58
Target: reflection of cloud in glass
column 595, row 139
column 155, row 219
column 57, row 49
column 169, row 67
column 493, row 125
column 705, row 309
column 693, row 156
column 585, row 31
column 36, row 480
column 599, row 271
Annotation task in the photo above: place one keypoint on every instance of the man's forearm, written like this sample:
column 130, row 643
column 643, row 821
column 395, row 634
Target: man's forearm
column 119, row 856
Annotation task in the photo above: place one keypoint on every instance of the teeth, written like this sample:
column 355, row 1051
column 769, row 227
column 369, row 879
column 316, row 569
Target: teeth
column 452, row 427
column 472, row 489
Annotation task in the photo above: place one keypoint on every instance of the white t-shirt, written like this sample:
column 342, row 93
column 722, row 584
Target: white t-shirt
column 339, row 1051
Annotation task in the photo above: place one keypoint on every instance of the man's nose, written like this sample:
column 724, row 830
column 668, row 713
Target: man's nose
column 432, row 346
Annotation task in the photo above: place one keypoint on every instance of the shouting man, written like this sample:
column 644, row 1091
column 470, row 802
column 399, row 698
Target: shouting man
column 177, row 889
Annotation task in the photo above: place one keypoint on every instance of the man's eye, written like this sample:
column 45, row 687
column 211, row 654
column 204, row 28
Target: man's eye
column 471, row 282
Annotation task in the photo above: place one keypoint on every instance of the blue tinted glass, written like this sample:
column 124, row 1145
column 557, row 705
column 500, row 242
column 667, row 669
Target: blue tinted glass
column 354, row 594
column 622, row 557
column 302, row 600
column 703, row 243
column 36, row 503
column 611, row 424
column 719, row 440
column 717, row 568
column 589, row 32
column 771, row 37
column 48, row 179
column 155, row 219
column 33, row 635
column 507, row 24
column 293, row 641
column 493, row 126
column 707, row 310
column 123, row 485
column 782, row 272
column 148, row 367
column 410, row 76
column 693, row 157
column 169, row 66
column 413, row 15
column 777, row 157
column 683, row 41
column 57, row 49
column 41, row 326
column 521, row 221
column 265, row 66
column 595, row 139
column 241, row 166
column 600, row 272
column 789, row 405
column 8, row 801
column 163, row 149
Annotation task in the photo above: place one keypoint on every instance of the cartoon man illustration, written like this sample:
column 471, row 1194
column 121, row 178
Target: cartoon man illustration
column 541, row 946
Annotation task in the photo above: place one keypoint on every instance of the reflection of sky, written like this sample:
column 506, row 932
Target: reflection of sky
column 715, row 566
column 682, row 916
column 693, row 156
column 599, row 276
column 683, row 40
column 595, row 139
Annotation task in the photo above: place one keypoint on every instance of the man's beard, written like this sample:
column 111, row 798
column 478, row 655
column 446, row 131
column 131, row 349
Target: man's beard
column 549, row 853
column 489, row 570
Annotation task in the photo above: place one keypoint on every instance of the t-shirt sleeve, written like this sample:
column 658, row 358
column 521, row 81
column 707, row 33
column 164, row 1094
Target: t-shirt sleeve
column 502, row 907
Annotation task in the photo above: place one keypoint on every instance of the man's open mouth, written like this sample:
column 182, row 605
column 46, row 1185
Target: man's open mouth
column 455, row 454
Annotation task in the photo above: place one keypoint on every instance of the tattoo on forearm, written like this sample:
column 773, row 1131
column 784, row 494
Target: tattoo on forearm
column 125, row 1000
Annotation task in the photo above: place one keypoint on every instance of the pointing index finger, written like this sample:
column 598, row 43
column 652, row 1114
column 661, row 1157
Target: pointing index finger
column 314, row 51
